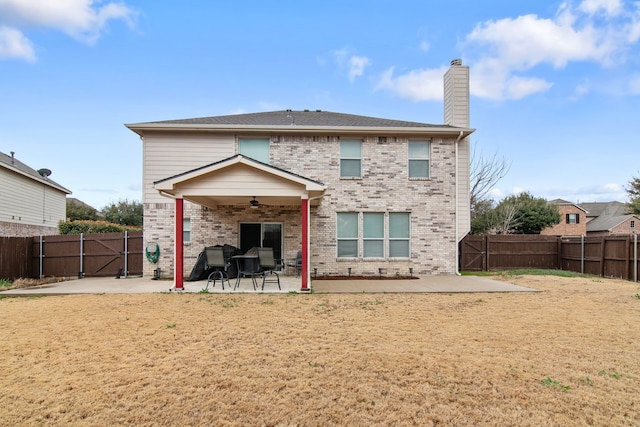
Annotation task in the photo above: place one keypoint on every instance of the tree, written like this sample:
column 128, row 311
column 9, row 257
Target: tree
column 78, row 211
column 485, row 174
column 123, row 212
column 634, row 195
column 525, row 214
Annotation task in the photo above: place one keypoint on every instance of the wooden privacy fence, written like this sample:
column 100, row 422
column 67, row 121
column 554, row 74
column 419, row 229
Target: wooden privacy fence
column 15, row 257
column 72, row 255
column 606, row 256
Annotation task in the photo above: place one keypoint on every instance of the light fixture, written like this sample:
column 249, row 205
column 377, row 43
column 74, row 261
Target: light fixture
column 254, row 203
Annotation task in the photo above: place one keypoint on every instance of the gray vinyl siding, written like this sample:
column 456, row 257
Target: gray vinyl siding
column 165, row 155
column 26, row 201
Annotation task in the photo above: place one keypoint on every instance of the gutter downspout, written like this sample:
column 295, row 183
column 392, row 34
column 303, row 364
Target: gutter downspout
column 457, row 272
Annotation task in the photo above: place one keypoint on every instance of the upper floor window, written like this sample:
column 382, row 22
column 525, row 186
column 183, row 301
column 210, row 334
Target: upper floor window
column 419, row 157
column 256, row 148
column 350, row 159
column 633, row 224
column 573, row 218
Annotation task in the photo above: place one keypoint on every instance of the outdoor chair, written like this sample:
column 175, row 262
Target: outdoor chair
column 269, row 266
column 297, row 263
column 215, row 260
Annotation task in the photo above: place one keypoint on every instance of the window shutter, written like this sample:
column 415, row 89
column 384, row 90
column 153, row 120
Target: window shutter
column 567, row 219
column 577, row 218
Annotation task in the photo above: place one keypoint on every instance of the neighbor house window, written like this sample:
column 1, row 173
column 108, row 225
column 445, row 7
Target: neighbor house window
column 399, row 235
column 573, row 218
column 186, row 230
column 419, row 157
column 633, row 224
column 350, row 159
column 373, row 235
column 257, row 149
column 347, row 235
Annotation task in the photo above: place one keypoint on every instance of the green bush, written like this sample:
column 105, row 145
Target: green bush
column 92, row 227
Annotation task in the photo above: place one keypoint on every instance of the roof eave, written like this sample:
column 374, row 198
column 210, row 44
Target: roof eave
column 141, row 128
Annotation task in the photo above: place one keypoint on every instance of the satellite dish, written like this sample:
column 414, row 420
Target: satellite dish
column 44, row 172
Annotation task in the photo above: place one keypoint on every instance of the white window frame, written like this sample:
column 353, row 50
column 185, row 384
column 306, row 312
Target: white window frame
column 419, row 158
column 186, row 230
column 361, row 238
column 350, row 158
column 348, row 238
column 380, row 239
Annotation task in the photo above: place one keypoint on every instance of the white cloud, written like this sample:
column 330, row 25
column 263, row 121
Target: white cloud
column 81, row 19
column 13, row 44
column 416, row 85
column 357, row 64
column 354, row 64
column 505, row 54
column 502, row 51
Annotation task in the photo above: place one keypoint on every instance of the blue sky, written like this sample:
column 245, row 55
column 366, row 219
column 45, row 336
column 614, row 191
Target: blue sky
column 555, row 86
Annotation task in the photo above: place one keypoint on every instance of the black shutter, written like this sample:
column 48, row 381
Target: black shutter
column 577, row 218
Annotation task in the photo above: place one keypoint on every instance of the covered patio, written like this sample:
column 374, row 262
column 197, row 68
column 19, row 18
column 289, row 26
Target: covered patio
column 243, row 182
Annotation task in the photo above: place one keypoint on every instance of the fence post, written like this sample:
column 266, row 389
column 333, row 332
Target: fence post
column 126, row 253
column 635, row 258
column 41, row 275
column 582, row 254
column 81, row 271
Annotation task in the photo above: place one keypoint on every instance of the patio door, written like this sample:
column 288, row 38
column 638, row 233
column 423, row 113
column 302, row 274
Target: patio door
column 265, row 234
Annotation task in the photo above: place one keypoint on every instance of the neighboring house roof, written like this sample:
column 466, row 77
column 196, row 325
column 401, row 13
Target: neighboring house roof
column 15, row 165
column 598, row 209
column 298, row 121
column 561, row 202
column 78, row 202
column 607, row 223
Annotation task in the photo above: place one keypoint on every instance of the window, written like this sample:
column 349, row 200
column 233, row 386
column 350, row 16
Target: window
column 374, row 240
column 373, row 235
column 633, row 224
column 347, row 235
column 419, row 153
column 186, row 230
column 350, row 159
column 573, row 218
column 399, row 235
column 257, row 149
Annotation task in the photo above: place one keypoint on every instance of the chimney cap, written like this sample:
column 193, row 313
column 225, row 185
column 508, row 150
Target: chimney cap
column 456, row 62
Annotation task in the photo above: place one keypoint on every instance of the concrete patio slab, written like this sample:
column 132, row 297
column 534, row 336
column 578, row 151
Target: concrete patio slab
column 138, row 285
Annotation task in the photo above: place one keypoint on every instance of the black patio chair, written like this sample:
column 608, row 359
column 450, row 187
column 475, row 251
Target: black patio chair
column 297, row 264
column 215, row 260
column 269, row 266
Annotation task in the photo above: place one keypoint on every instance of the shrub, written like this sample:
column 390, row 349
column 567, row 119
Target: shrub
column 92, row 227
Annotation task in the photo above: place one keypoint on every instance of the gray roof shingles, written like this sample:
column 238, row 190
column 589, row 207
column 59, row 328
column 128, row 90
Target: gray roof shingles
column 299, row 118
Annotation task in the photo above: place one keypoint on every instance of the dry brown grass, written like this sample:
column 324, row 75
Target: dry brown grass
column 566, row 356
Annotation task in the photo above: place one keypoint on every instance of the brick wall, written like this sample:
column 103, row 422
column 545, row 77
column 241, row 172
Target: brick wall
column 384, row 187
column 12, row 229
column 564, row 229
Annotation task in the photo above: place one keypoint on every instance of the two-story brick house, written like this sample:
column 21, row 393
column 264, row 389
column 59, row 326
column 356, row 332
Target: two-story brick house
column 573, row 220
column 348, row 191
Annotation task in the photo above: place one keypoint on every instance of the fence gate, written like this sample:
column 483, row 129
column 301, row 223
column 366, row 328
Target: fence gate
column 89, row 255
column 473, row 253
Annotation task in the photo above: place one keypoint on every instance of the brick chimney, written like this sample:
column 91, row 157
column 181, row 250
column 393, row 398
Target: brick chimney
column 456, row 95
